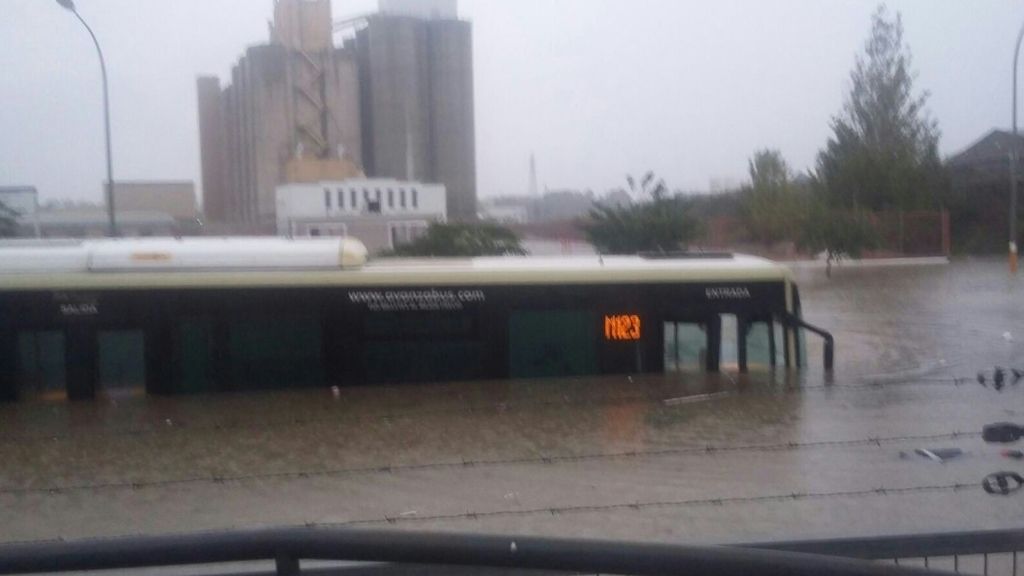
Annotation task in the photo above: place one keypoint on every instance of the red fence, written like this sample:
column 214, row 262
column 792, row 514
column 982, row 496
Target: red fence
column 913, row 233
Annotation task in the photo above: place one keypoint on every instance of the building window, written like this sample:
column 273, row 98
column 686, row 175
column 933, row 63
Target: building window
column 402, row 192
column 352, row 196
column 341, row 199
column 391, row 198
column 405, row 232
column 415, row 199
column 329, row 229
column 327, row 198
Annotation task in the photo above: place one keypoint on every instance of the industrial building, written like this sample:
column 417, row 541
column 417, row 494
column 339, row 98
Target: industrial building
column 394, row 101
column 416, row 88
column 382, row 213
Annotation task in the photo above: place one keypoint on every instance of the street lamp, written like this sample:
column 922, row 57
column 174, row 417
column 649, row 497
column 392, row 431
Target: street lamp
column 1013, row 162
column 69, row 5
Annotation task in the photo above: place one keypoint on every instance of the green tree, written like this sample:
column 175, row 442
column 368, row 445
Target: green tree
column 839, row 233
column 462, row 240
column 772, row 205
column 656, row 222
column 8, row 221
column 883, row 153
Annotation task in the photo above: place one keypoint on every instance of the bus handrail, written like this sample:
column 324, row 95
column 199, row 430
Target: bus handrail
column 830, row 341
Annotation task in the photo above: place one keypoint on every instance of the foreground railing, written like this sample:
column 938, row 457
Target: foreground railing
column 985, row 552
column 418, row 553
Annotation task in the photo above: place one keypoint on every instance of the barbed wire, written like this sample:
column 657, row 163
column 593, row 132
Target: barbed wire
column 709, row 449
column 694, row 502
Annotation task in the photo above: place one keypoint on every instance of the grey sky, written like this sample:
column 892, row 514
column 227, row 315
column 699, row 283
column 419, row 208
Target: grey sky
column 596, row 88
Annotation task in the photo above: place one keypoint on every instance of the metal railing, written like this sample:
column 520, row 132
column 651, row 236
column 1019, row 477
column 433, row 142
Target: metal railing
column 412, row 552
column 984, row 552
column 830, row 341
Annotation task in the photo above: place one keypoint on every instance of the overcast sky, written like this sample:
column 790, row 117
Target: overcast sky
column 595, row 88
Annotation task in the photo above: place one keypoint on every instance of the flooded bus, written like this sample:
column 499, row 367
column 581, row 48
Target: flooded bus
column 162, row 316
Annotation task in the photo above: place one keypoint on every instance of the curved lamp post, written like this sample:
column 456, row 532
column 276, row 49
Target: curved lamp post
column 1013, row 161
column 69, row 5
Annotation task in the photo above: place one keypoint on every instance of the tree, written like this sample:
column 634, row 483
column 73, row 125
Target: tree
column 657, row 222
column 839, row 233
column 462, row 240
column 883, row 153
column 771, row 205
column 8, row 221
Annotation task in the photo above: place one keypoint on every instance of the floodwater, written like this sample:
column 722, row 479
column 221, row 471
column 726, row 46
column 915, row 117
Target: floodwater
column 668, row 458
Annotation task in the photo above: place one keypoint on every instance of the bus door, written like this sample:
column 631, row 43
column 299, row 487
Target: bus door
column 725, row 341
column 687, row 345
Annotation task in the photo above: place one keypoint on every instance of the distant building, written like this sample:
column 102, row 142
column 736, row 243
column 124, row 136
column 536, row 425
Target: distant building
column 561, row 205
column 382, row 213
column 92, row 223
column 980, row 191
column 23, row 201
column 416, row 91
column 143, row 208
column 510, row 214
column 176, row 199
column 396, row 101
column 553, row 206
column 289, row 114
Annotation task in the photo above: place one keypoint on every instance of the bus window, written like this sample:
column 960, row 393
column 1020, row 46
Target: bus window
column 780, row 343
column 761, row 343
column 276, row 352
column 686, row 346
column 551, row 343
column 196, row 355
column 41, row 365
column 729, row 343
column 122, row 365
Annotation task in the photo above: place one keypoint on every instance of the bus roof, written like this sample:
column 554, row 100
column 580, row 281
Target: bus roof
column 525, row 270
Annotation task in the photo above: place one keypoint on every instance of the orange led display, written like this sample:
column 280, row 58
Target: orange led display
column 622, row 327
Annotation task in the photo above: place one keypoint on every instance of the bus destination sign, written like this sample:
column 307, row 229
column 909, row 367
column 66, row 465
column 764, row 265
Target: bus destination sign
column 622, row 327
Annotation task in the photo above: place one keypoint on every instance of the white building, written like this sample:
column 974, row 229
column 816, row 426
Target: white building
column 382, row 213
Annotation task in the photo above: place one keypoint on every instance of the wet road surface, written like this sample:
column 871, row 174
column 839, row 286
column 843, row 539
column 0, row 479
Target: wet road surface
column 765, row 457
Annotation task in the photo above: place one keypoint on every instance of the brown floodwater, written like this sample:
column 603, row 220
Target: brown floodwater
column 666, row 458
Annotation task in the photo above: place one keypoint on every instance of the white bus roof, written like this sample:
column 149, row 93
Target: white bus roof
column 525, row 270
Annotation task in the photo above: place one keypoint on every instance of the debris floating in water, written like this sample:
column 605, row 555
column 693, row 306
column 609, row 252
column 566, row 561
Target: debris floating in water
column 940, row 455
column 696, row 398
